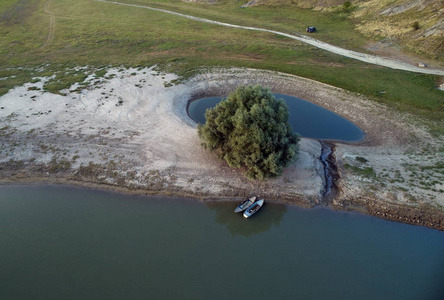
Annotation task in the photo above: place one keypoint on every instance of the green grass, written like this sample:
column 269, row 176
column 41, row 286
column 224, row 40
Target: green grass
column 332, row 27
column 64, row 81
column 15, row 11
column 367, row 171
column 95, row 34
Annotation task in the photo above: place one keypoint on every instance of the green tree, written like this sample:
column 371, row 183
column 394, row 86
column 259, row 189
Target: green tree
column 250, row 130
column 346, row 6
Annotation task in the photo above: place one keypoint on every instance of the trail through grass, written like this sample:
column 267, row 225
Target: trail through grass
column 51, row 24
column 95, row 34
column 380, row 61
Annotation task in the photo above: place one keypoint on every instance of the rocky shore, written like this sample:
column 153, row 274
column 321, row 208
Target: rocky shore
column 131, row 133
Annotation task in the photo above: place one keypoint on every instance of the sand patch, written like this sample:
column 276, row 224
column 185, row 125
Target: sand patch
column 132, row 131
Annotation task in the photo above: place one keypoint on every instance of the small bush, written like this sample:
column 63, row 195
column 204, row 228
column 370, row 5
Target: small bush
column 91, row 170
column 415, row 25
column 56, row 166
column 361, row 159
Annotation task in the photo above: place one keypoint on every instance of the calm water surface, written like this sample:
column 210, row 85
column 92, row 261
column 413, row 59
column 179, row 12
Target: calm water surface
column 67, row 243
column 308, row 119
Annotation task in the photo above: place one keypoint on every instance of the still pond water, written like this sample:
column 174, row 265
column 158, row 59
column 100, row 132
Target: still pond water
column 69, row 243
column 308, row 119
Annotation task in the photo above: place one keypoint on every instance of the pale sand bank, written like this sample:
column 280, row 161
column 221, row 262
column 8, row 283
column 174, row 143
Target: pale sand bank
column 135, row 132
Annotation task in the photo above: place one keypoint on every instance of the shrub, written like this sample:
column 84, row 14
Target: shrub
column 250, row 130
column 415, row 25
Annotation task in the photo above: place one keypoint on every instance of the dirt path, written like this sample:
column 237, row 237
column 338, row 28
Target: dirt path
column 372, row 59
column 51, row 25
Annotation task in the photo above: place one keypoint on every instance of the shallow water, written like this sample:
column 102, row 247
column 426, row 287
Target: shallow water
column 69, row 243
column 308, row 119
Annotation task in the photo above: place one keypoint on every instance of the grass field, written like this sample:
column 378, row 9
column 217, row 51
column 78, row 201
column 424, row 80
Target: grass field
column 96, row 34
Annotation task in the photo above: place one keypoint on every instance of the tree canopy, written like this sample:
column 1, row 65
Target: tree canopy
column 250, row 130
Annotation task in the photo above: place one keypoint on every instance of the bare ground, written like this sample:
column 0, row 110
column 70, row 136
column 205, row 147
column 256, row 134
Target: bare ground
column 131, row 132
column 51, row 25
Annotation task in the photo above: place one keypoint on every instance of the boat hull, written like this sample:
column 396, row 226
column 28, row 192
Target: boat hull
column 252, row 209
column 245, row 204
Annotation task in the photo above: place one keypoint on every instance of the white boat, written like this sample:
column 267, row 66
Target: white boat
column 243, row 206
column 253, row 208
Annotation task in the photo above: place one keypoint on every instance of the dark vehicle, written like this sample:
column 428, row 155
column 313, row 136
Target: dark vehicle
column 311, row 29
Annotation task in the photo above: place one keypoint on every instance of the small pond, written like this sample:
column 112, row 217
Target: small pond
column 308, row 119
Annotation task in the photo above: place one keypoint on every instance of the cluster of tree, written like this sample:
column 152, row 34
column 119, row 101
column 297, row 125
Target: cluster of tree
column 250, row 130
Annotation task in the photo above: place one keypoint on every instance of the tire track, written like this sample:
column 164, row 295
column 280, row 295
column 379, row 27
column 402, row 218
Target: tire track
column 368, row 58
column 51, row 25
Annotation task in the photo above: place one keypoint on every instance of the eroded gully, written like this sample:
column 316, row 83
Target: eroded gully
column 331, row 174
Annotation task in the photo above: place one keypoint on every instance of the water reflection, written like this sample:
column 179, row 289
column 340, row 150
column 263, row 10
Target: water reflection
column 270, row 214
column 68, row 243
column 306, row 118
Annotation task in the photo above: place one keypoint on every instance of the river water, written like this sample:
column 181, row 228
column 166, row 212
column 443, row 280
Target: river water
column 69, row 243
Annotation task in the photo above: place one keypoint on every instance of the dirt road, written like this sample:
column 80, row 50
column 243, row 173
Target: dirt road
column 51, row 25
column 372, row 59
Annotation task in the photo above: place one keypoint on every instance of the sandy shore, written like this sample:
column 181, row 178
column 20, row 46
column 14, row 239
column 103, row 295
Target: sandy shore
column 131, row 132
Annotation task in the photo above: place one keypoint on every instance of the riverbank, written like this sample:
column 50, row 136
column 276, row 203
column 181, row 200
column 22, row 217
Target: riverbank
column 130, row 132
